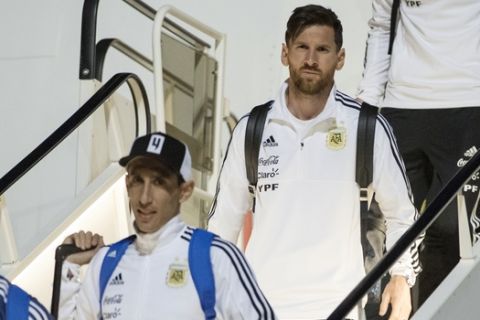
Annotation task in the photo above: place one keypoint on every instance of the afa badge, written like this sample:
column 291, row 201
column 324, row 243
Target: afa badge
column 177, row 275
column 336, row 138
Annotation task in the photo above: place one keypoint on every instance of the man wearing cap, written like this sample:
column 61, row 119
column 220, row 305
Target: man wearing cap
column 154, row 277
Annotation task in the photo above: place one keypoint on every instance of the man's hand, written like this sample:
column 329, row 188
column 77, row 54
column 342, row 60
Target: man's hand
column 85, row 241
column 397, row 294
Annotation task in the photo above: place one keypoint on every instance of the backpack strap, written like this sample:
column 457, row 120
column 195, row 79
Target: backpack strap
column 365, row 139
column 364, row 163
column 253, row 139
column 393, row 24
column 110, row 261
column 200, row 263
column 17, row 303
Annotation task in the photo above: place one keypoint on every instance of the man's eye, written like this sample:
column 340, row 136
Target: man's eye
column 159, row 182
column 136, row 179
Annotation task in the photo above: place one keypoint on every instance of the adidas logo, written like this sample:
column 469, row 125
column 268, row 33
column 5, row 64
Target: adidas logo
column 118, row 280
column 470, row 152
column 270, row 142
column 468, row 155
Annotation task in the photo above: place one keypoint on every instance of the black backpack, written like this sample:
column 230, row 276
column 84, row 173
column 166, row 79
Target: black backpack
column 372, row 221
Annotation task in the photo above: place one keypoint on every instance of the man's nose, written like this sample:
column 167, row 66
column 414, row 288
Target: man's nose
column 311, row 58
column 146, row 195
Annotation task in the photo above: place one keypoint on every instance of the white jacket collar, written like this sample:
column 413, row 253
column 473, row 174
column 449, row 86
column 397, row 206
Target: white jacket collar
column 147, row 242
column 326, row 120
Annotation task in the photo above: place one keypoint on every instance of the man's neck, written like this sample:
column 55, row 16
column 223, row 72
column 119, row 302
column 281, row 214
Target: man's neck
column 306, row 106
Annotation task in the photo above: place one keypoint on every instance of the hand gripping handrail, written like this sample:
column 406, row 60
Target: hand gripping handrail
column 111, row 86
column 441, row 201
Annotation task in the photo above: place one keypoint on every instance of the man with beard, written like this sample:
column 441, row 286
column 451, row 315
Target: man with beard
column 305, row 244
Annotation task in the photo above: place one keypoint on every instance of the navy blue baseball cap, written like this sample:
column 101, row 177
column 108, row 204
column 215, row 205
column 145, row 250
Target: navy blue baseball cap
column 166, row 149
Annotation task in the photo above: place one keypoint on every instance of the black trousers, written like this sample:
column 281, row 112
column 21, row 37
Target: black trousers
column 434, row 144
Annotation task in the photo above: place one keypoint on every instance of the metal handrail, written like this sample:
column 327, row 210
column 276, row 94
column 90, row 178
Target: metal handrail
column 441, row 201
column 219, row 53
column 88, row 57
column 105, row 44
column 87, row 40
column 231, row 121
column 169, row 25
column 89, row 34
column 74, row 121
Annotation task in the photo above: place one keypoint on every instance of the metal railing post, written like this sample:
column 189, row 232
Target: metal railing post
column 219, row 53
column 8, row 244
column 464, row 235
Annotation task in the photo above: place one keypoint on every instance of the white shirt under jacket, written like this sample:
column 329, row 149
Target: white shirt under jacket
column 435, row 61
column 140, row 287
column 305, row 246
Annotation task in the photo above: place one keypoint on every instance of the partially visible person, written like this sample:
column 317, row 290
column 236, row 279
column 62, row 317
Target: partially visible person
column 305, row 245
column 153, row 279
column 16, row 304
column 428, row 88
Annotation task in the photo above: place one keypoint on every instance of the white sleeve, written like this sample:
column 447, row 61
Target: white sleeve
column 238, row 295
column 392, row 191
column 377, row 60
column 79, row 300
column 232, row 199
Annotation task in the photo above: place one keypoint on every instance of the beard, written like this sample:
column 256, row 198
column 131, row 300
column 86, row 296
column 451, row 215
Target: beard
column 309, row 86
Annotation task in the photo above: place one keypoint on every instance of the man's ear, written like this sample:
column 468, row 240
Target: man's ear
column 186, row 190
column 126, row 181
column 284, row 55
column 340, row 59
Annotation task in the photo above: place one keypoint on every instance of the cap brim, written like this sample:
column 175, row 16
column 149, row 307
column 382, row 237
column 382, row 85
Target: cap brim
column 123, row 161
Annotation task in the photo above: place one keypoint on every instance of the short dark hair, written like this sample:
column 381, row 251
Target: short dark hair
column 311, row 15
column 154, row 164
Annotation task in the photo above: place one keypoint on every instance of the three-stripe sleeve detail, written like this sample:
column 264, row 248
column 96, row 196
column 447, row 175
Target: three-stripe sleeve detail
column 36, row 310
column 244, row 273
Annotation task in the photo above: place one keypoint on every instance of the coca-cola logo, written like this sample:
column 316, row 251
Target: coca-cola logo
column 272, row 160
column 461, row 162
column 468, row 155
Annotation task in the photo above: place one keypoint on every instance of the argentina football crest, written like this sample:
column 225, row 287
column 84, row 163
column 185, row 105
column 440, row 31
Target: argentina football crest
column 336, row 138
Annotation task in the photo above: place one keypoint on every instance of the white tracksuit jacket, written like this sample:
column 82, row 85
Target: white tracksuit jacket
column 141, row 288
column 305, row 245
column 435, row 61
